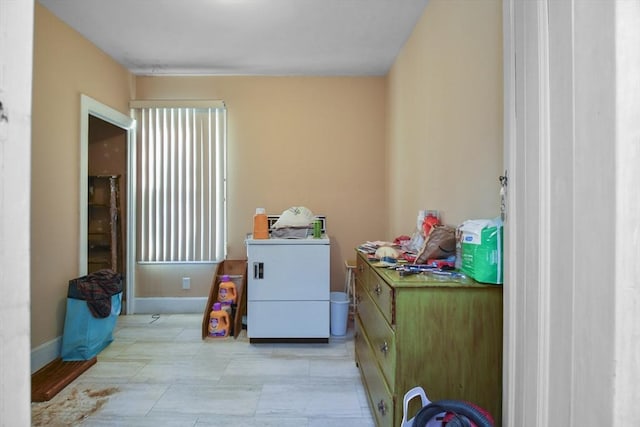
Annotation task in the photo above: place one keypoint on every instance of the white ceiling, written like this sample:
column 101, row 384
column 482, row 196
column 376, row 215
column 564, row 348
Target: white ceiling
column 245, row 37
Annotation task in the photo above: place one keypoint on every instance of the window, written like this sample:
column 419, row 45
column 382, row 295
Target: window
column 181, row 181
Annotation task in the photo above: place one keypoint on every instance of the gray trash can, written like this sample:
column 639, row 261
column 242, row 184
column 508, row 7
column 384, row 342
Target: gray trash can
column 339, row 313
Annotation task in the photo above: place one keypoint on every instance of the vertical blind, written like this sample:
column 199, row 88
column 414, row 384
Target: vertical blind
column 180, row 176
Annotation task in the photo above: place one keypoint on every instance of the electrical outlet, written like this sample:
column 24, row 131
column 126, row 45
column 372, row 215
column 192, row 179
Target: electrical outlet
column 186, row 283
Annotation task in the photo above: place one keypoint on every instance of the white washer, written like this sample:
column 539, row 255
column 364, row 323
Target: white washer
column 288, row 289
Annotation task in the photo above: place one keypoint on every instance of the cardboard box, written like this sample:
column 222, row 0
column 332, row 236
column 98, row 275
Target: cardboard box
column 233, row 268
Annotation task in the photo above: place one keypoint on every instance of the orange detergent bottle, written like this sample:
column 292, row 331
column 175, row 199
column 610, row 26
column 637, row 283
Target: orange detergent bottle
column 218, row 322
column 260, row 224
column 227, row 291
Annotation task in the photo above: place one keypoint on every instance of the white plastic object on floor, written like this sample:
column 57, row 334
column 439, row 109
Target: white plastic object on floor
column 350, row 285
column 339, row 313
column 408, row 396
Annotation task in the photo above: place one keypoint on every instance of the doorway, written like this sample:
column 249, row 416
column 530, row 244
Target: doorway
column 107, row 175
column 107, row 139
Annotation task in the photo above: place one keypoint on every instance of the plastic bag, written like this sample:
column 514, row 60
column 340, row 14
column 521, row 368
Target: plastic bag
column 440, row 243
column 297, row 216
column 84, row 335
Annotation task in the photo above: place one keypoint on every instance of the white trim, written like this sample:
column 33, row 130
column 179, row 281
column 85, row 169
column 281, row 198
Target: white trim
column 170, row 305
column 132, row 189
column 89, row 106
column 176, row 103
column 16, row 260
column 544, row 203
column 45, row 353
column 627, row 218
column 510, row 224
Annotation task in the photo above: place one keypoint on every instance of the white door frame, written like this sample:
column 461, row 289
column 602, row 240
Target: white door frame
column 510, row 223
column 16, row 70
column 91, row 107
column 571, row 304
column 528, row 237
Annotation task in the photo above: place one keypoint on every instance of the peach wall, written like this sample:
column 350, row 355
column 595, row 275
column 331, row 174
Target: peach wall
column 317, row 142
column 297, row 141
column 165, row 280
column 64, row 66
column 445, row 115
column 368, row 152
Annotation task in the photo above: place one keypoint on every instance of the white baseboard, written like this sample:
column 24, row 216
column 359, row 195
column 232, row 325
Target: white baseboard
column 45, row 353
column 169, row 305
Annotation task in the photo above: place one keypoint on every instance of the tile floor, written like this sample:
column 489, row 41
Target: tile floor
column 158, row 371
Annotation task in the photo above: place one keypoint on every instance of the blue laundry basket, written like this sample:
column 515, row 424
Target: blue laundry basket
column 85, row 335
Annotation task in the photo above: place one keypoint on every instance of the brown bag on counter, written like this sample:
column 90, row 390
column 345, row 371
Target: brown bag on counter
column 440, row 243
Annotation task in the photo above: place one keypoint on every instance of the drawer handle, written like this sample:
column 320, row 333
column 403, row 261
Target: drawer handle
column 361, row 268
column 378, row 289
column 384, row 348
column 258, row 270
column 382, row 407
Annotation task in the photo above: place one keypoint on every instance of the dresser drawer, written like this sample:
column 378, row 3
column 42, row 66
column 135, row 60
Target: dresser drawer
column 380, row 399
column 361, row 292
column 381, row 338
column 362, row 270
column 382, row 294
column 424, row 327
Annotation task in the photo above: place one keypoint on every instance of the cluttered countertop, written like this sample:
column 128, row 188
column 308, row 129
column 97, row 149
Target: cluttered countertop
column 440, row 255
column 405, row 274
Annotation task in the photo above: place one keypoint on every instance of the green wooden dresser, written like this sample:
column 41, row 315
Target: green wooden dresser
column 423, row 331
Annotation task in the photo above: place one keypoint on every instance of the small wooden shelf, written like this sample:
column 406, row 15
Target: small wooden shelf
column 231, row 268
column 104, row 240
